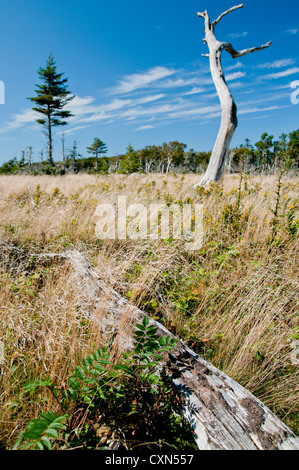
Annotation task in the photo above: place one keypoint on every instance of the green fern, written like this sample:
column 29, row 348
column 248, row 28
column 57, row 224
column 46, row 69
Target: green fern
column 148, row 348
column 42, row 432
column 94, row 387
column 85, row 381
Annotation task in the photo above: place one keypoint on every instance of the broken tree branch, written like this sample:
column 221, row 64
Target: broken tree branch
column 230, row 10
column 235, row 54
column 202, row 15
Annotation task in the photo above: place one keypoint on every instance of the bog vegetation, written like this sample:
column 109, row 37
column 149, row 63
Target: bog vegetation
column 235, row 302
column 266, row 156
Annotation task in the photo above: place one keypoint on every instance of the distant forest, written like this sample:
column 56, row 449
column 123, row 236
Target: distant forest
column 264, row 157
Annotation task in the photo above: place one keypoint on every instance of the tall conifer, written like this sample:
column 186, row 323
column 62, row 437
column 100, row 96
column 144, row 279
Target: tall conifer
column 51, row 98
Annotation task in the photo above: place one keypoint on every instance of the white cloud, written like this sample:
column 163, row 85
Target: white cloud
column 139, row 80
column 108, row 110
column 143, row 128
column 194, row 91
column 179, row 83
column 283, row 87
column 159, row 97
column 98, row 112
column 71, row 130
column 237, row 85
column 292, row 31
column 79, row 103
column 238, row 35
column 277, row 64
column 148, row 99
column 196, row 111
column 234, row 76
column 259, row 110
column 234, row 67
column 285, row 73
column 205, row 81
column 27, row 116
column 153, row 111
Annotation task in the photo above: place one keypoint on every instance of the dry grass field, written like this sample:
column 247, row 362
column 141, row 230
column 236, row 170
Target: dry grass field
column 235, row 301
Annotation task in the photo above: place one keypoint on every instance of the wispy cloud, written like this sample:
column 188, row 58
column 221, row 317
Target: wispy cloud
column 196, row 111
column 26, row 116
column 164, row 95
column 235, row 76
column 72, row 130
column 236, row 85
column 139, row 80
column 285, row 73
column 85, row 111
column 194, row 91
column 238, row 35
column 146, row 127
column 178, row 83
column 292, row 31
column 238, row 65
column 277, row 64
column 259, row 110
column 106, row 111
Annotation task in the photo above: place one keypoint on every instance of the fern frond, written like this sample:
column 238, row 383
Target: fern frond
column 40, row 433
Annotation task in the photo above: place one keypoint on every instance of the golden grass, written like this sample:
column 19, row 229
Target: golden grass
column 235, row 301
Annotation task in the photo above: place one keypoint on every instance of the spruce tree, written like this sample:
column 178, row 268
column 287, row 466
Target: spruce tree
column 52, row 97
column 97, row 148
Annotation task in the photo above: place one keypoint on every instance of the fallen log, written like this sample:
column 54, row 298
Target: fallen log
column 222, row 414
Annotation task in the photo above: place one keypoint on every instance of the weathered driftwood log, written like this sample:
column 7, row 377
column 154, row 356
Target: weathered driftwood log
column 223, row 415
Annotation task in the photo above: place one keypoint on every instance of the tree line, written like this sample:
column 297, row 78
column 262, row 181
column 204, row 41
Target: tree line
column 266, row 156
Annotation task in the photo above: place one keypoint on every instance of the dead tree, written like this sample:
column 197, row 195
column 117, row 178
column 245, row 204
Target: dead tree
column 229, row 121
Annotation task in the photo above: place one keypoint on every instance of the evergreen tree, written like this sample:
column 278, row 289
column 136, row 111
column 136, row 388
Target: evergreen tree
column 131, row 162
column 52, row 97
column 97, row 148
column 264, row 151
column 293, row 148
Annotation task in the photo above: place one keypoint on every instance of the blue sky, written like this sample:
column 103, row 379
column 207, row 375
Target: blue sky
column 138, row 75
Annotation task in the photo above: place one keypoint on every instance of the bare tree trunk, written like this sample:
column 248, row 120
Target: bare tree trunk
column 50, row 142
column 148, row 166
column 29, row 157
column 229, row 121
column 169, row 160
column 230, row 161
column 63, row 153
